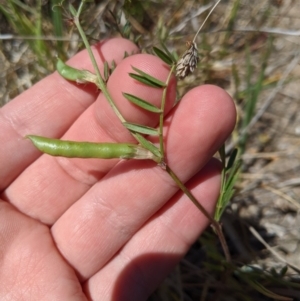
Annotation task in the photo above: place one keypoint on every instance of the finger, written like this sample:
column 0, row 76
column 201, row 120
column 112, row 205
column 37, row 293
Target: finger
column 31, row 267
column 109, row 214
column 49, row 108
column 156, row 248
column 51, row 185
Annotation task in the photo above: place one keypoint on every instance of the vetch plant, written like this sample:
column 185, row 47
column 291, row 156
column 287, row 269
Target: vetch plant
column 145, row 149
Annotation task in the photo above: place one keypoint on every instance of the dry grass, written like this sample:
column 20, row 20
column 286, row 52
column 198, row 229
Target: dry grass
column 261, row 72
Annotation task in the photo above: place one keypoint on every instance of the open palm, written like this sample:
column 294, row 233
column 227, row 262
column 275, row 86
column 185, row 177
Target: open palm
column 91, row 229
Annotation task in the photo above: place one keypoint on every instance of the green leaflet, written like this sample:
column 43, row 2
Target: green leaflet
column 72, row 149
column 72, row 10
column 150, row 146
column 147, row 79
column 142, row 129
column 232, row 158
column 163, row 56
column 142, row 103
column 106, row 71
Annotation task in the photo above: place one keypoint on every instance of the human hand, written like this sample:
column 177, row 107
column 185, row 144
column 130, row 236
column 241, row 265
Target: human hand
column 91, row 229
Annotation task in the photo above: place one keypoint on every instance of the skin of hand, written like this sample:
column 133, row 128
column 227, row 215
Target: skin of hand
column 93, row 229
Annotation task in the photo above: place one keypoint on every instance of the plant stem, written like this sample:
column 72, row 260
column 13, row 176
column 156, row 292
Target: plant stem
column 216, row 226
column 101, row 83
column 161, row 116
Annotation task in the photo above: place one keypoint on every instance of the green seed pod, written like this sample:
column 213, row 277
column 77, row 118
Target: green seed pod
column 72, row 149
column 76, row 75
